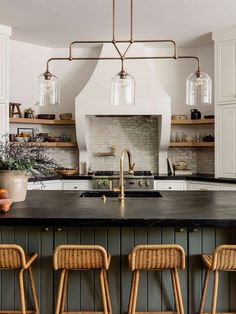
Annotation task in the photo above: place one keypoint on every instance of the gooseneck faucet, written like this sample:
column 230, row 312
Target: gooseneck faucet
column 121, row 188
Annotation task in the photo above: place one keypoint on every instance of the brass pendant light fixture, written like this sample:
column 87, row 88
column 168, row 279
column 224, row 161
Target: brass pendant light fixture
column 198, row 84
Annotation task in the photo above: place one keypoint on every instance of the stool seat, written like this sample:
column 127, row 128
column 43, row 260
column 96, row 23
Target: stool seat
column 81, row 257
column 13, row 257
column 222, row 259
column 156, row 257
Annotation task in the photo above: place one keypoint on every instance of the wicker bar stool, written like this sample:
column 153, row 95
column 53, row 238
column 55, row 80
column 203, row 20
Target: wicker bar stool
column 157, row 257
column 81, row 257
column 222, row 259
column 13, row 257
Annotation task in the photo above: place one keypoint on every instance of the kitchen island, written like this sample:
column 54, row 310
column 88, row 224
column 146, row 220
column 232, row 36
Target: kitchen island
column 198, row 221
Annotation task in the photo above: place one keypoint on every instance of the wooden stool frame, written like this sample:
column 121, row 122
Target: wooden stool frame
column 13, row 257
column 223, row 259
column 102, row 266
column 142, row 264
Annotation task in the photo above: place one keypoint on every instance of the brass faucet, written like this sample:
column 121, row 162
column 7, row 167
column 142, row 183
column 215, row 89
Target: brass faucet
column 121, row 188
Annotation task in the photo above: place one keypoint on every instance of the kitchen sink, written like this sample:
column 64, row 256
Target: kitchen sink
column 150, row 194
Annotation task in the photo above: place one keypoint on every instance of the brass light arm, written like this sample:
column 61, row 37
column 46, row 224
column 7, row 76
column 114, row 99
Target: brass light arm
column 192, row 57
column 87, row 42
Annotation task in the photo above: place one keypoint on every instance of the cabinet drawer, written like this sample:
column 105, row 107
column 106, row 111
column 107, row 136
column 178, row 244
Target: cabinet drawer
column 203, row 187
column 170, row 185
column 77, row 185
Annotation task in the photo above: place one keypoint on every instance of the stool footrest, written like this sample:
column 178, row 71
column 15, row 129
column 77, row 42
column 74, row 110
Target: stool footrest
column 159, row 312
column 15, row 312
column 81, row 312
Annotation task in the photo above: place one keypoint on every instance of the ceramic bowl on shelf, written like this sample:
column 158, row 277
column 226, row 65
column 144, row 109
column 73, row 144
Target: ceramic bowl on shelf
column 65, row 116
column 188, row 138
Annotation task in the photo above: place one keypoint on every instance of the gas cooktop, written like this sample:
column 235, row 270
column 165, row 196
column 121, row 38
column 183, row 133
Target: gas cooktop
column 106, row 173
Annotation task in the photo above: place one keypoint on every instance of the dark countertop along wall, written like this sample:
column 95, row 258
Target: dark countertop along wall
column 174, row 208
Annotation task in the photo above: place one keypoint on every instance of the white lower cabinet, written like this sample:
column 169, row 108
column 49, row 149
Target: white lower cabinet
column 201, row 186
column 45, row 185
column 175, row 185
column 76, row 185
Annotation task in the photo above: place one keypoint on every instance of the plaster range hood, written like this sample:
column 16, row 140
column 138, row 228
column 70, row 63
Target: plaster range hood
column 151, row 100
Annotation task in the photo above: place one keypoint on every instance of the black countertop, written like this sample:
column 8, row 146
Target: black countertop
column 173, row 209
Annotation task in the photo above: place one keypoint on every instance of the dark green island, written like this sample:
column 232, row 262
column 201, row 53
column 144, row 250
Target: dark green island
column 198, row 221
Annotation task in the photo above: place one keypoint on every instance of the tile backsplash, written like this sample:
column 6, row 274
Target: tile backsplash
column 138, row 134
column 68, row 157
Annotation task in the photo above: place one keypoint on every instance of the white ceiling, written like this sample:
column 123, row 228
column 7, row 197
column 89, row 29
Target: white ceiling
column 55, row 23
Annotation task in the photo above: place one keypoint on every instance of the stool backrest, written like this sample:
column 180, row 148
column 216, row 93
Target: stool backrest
column 224, row 258
column 11, row 256
column 80, row 257
column 158, row 256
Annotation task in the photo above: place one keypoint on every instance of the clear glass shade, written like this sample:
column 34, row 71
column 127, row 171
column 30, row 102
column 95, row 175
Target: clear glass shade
column 198, row 89
column 47, row 91
column 123, row 89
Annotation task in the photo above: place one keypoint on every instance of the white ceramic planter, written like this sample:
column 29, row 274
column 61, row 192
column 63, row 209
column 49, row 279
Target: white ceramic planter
column 15, row 182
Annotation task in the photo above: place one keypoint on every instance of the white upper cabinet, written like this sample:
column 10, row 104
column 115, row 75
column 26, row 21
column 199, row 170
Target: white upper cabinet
column 225, row 71
column 5, row 32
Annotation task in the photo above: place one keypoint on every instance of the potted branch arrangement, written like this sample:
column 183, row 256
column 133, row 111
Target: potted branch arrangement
column 20, row 161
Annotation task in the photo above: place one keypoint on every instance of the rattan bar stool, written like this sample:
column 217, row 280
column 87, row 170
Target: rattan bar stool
column 222, row 259
column 157, row 257
column 13, row 257
column 81, row 257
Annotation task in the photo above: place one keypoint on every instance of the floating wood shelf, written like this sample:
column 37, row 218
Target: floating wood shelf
column 192, row 122
column 192, row 144
column 41, row 121
column 51, row 144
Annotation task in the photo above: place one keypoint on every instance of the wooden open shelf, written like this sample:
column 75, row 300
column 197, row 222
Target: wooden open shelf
column 192, row 122
column 51, row 144
column 41, row 121
column 192, row 144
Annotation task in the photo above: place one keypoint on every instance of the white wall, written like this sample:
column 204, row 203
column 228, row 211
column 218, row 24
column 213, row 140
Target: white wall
column 27, row 61
column 172, row 74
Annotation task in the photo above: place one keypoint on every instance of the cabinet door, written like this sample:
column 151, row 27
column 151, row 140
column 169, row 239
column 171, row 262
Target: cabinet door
column 77, row 185
column 51, row 185
column 169, row 185
column 226, row 71
column 226, row 142
column 3, row 69
column 197, row 186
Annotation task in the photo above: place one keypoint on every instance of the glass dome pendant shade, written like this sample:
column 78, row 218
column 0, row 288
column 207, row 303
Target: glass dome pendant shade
column 47, row 90
column 198, row 89
column 122, row 89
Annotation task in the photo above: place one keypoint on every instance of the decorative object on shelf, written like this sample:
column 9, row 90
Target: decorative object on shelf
column 65, row 116
column 29, row 113
column 208, row 138
column 198, row 85
column 46, row 116
column 18, row 162
column 188, row 138
column 179, row 117
column 209, row 116
column 179, row 136
column 12, row 107
column 195, row 114
column 112, row 153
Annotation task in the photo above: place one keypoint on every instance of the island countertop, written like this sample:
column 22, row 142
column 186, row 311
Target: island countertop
column 173, row 209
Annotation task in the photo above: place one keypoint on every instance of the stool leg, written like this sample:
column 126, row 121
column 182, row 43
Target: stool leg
column 135, row 292
column 175, row 291
column 205, row 285
column 31, row 279
column 107, row 292
column 103, row 292
column 22, row 291
column 178, row 289
column 131, row 296
column 215, row 291
column 64, row 292
column 59, row 295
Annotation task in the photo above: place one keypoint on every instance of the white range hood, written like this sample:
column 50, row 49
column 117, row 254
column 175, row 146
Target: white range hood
column 150, row 99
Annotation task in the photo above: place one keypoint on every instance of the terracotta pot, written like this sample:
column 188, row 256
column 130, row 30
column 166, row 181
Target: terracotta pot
column 15, row 182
